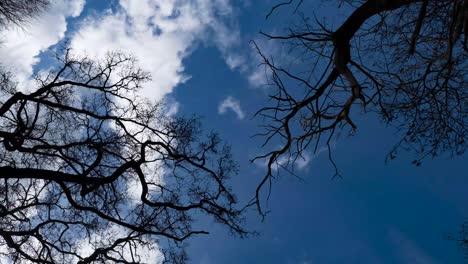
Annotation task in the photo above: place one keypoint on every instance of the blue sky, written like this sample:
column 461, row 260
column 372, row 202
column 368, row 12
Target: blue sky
column 202, row 63
column 377, row 213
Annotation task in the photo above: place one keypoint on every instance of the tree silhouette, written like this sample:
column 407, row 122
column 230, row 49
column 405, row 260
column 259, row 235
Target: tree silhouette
column 462, row 239
column 90, row 172
column 405, row 60
column 18, row 11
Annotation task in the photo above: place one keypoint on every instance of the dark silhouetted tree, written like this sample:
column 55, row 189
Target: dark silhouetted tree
column 405, row 60
column 92, row 173
column 462, row 239
column 18, row 11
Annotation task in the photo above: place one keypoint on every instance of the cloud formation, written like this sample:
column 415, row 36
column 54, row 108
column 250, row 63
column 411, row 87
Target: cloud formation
column 160, row 34
column 21, row 47
column 231, row 104
column 258, row 73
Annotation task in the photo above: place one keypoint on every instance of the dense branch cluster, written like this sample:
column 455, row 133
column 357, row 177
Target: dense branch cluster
column 17, row 11
column 403, row 59
column 92, row 173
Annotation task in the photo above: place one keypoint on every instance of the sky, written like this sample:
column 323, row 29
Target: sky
column 200, row 56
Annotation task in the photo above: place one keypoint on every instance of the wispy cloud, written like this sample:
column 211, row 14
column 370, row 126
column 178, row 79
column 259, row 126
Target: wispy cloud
column 303, row 161
column 300, row 163
column 407, row 250
column 284, row 162
column 258, row 74
column 231, row 104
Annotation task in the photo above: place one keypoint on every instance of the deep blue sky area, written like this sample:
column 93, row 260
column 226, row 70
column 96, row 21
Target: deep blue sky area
column 377, row 212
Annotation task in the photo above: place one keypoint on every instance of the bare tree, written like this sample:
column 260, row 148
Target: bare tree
column 405, row 60
column 462, row 239
column 92, row 173
column 18, row 11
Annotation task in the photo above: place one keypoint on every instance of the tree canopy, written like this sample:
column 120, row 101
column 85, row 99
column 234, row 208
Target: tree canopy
column 91, row 172
column 19, row 11
column 405, row 60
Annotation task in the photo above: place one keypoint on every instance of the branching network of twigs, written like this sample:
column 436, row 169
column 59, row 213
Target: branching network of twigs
column 403, row 59
column 90, row 172
column 17, row 12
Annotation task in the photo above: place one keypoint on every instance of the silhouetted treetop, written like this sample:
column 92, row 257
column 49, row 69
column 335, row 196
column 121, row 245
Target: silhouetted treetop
column 18, row 11
column 405, row 60
column 90, row 172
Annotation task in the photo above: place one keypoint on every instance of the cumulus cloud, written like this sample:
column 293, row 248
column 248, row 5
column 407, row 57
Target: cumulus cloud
column 21, row 47
column 231, row 104
column 160, row 34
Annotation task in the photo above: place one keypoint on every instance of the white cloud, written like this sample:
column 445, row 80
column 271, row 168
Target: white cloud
column 160, row 34
column 258, row 74
column 258, row 77
column 281, row 162
column 21, row 47
column 231, row 104
column 301, row 162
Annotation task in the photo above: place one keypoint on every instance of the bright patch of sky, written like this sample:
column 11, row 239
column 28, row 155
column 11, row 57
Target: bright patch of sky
column 233, row 105
column 160, row 34
column 21, row 47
